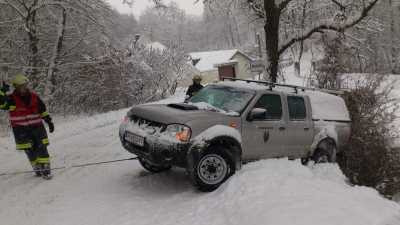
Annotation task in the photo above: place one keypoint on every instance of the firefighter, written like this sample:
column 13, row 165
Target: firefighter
column 26, row 113
column 195, row 87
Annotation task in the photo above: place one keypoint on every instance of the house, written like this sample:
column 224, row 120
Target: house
column 210, row 65
column 215, row 64
column 141, row 40
column 144, row 41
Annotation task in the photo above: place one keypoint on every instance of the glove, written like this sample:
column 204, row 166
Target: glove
column 51, row 126
column 5, row 87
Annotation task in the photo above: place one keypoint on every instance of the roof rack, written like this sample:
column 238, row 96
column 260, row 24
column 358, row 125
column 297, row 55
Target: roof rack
column 271, row 85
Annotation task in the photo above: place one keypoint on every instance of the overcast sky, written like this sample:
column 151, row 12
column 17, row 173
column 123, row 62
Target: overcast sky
column 139, row 5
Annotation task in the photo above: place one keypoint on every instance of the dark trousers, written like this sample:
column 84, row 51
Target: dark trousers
column 33, row 140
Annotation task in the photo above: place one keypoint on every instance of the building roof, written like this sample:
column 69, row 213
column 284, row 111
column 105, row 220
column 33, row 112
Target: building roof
column 143, row 39
column 148, row 44
column 155, row 45
column 208, row 60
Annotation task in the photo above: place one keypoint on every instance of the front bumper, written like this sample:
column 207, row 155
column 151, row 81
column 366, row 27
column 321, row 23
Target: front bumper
column 163, row 152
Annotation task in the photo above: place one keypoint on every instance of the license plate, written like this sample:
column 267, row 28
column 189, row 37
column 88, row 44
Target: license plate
column 134, row 139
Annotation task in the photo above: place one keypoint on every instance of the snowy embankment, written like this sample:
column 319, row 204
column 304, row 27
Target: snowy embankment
column 273, row 191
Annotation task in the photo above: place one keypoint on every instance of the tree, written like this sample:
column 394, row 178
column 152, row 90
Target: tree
column 371, row 160
column 322, row 16
column 167, row 24
column 35, row 44
column 178, row 67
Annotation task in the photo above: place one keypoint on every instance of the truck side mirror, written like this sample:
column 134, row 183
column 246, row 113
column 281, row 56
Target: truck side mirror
column 257, row 114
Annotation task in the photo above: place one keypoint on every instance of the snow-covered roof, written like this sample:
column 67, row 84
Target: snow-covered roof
column 155, row 45
column 229, row 62
column 209, row 59
column 143, row 38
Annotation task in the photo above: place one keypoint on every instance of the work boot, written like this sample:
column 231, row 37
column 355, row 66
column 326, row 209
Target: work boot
column 36, row 169
column 46, row 171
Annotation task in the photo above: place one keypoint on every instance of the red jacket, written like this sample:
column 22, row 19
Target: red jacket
column 24, row 115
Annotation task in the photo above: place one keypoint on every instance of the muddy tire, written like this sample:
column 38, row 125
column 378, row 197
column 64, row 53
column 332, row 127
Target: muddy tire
column 214, row 167
column 324, row 156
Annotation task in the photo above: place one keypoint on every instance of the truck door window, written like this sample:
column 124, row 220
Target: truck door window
column 297, row 108
column 273, row 105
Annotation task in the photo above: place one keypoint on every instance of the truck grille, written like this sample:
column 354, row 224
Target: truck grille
column 149, row 123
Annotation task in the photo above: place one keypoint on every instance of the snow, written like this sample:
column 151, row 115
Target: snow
column 328, row 107
column 272, row 191
column 208, row 59
column 216, row 130
column 206, row 106
column 155, row 45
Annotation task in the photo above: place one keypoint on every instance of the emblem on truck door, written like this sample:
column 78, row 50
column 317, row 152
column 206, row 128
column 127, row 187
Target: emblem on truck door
column 266, row 136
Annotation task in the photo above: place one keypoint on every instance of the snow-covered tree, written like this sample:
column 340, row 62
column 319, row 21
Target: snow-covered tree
column 43, row 38
column 321, row 16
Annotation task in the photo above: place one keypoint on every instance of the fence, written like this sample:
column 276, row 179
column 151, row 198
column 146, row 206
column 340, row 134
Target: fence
column 285, row 63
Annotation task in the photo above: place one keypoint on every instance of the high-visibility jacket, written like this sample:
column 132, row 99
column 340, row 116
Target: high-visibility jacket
column 24, row 115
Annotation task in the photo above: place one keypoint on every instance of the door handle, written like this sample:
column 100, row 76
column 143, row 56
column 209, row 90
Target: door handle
column 282, row 128
column 306, row 128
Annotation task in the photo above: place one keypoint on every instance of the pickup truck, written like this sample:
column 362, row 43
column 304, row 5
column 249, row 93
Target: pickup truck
column 230, row 123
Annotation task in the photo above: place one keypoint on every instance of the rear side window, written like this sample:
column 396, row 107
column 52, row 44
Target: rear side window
column 273, row 105
column 297, row 108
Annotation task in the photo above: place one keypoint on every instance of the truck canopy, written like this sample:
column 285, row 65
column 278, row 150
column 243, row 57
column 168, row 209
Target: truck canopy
column 327, row 107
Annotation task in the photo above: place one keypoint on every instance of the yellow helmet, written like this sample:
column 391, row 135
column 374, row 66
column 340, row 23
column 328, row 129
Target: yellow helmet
column 18, row 80
column 197, row 77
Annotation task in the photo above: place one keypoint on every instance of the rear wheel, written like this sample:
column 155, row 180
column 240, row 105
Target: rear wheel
column 214, row 168
column 320, row 156
column 152, row 167
column 325, row 155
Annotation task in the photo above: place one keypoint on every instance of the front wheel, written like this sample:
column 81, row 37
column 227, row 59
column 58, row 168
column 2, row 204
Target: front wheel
column 214, row 168
column 152, row 167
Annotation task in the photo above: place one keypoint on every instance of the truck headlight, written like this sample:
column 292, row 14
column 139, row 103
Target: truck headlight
column 178, row 131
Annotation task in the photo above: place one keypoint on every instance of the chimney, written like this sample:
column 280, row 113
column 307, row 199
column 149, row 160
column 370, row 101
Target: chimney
column 137, row 37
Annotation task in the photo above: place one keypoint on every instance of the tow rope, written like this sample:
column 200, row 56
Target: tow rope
column 58, row 168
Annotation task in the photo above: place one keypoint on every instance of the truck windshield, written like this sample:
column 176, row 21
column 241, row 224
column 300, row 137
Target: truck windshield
column 229, row 99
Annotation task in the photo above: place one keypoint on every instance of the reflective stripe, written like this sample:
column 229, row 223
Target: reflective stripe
column 43, row 160
column 12, row 107
column 23, row 123
column 35, row 116
column 24, row 146
column 45, row 113
column 30, row 122
column 35, row 121
column 45, row 141
column 4, row 105
column 25, row 115
column 34, row 162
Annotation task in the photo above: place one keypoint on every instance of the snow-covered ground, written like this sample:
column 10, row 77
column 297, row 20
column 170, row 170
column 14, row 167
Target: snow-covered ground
column 273, row 191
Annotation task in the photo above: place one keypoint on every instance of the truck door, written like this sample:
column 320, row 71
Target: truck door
column 264, row 138
column 298, row 126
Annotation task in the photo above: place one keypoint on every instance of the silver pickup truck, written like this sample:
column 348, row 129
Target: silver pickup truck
column 228, row 123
